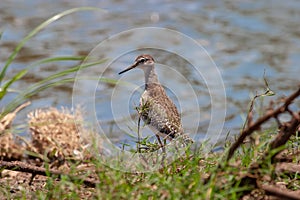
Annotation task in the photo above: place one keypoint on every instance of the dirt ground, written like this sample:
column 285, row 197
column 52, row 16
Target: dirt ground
column 57, row 145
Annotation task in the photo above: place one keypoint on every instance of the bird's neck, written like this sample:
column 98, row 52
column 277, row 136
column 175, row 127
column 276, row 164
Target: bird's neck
column 150, row 78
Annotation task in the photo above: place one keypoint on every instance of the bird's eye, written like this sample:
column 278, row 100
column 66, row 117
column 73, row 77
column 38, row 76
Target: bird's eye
column 142, row 60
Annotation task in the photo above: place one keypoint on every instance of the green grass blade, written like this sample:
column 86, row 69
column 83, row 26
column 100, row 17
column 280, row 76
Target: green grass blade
column 35, row 31
column 19, row 75
column 3, row 90
column 68, row 71
column 47, row 83
column 18, row 100
column 56, row 59
column 55, row 84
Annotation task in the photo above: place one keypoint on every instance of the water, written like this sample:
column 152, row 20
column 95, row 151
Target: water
column 244, row 39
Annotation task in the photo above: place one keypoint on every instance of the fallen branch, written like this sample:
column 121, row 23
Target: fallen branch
column 291, row 168
column 282, row 193
column 256, row 125
column 285, row 156
column 34, row 170
column 286, row 131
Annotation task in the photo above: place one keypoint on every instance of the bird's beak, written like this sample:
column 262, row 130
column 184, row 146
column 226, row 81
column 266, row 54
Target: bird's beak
column 129, row 68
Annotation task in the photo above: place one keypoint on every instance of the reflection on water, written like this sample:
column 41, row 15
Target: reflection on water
column 244, row 39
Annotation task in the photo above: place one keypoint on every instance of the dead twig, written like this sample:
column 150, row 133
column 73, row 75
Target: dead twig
column 291, row 168
column 6, row 121
column 286, row 156
column 34, row 170
column 286, row 131
column 256, row 125
column 278, row 192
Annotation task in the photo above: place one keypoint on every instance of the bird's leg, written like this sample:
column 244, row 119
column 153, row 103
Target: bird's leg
column 159, row 141
column 139, row 142
column 163, row 149
column 161, row 144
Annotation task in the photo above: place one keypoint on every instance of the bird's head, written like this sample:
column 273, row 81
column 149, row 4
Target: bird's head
column 143, row 62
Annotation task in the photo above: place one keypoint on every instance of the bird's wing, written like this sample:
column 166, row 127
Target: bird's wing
column 161, row 113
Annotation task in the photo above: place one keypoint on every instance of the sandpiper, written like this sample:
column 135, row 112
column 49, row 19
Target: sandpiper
column 156, row 108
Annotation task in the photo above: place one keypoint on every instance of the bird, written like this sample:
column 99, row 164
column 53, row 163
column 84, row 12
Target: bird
column 156, row 109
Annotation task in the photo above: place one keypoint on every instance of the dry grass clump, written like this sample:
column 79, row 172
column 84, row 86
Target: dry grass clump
column 9, row 148
column 56, row 134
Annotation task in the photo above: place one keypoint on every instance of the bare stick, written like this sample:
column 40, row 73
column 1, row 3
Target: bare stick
column 278, row 192
column 256, row 125
column 6, row 121
column 286, row 131
column 286, row 167
column 27, row 168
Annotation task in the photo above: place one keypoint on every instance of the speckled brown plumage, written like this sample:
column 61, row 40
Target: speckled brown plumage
column 156, row 108
column 158, row 111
